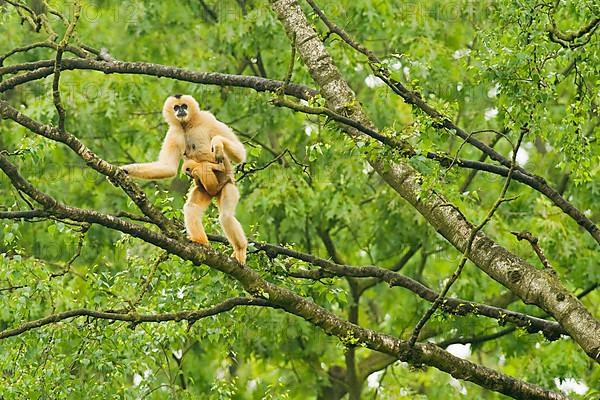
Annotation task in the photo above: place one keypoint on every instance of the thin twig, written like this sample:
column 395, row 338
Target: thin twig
column 60, row 110
column 161, row 258
column 525, row 235
column 501, row 199
column 192, row 315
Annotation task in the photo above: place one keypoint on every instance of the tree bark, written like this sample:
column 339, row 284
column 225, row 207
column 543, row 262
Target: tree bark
column 531, row 285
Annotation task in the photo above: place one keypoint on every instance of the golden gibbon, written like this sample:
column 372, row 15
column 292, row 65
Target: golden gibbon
column 207, row 147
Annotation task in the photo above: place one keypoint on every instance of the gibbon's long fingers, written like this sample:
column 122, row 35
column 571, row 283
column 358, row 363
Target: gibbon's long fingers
column 219, row 152
column 193, row 210
column 227, row 203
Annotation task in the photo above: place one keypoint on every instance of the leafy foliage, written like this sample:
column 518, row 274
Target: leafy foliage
column 489, row 65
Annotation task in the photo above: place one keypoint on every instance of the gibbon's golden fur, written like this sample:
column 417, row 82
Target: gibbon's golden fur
column 207, row 146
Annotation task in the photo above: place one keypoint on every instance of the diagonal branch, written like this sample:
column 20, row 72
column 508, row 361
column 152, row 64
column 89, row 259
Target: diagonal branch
column 445, row 160
column 524, row 235
column 371, row 275
column 421, row 353
column 550, row 329
column 41, row 69
column 95, row 162
column 444, row 122
column 531, row 285
column 465, row 256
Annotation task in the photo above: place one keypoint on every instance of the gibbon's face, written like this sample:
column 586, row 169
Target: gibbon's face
column 180, row 108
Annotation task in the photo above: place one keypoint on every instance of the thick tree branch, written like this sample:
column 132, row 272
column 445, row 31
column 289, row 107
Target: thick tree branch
column 421, row 353
column 45, row 68
column 444, row 122
column 207, row 78
column 551, row 330
column 129, row 187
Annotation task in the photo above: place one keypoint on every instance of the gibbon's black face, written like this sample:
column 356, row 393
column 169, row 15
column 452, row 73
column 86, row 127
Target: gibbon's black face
column 180, row 110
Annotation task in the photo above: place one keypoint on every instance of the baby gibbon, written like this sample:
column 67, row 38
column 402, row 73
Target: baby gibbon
column 207, row 147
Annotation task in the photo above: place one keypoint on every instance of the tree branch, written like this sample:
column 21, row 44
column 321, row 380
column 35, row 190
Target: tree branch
column 551, row 330
column 465, row 256
column 444, row 122
column 421, row 353
column 60, row 110
column 42, row 69
column 541, row 288
column 140, row 68
column 119, row 177
column 524, row 235
column 189, row 316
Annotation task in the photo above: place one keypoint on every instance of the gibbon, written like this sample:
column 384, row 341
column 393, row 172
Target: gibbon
column 207, row 146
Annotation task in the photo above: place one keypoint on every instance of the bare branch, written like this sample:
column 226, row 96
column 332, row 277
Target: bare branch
column 134, row 318
column 524, row 235
column 47, row 44
column 208, row 78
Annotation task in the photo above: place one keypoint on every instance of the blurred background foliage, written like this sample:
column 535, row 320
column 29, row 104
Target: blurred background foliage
column 490, row 65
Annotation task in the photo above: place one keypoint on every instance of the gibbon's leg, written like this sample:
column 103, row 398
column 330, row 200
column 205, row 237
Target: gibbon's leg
column 227, row 202
column 193, row 210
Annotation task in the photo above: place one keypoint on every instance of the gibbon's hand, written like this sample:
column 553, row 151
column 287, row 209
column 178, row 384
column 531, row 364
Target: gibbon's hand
column 217, row 148
column 189, row 166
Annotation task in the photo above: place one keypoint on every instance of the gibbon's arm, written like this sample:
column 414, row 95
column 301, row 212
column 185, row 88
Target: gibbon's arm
column 168, row 160
column 225, row 140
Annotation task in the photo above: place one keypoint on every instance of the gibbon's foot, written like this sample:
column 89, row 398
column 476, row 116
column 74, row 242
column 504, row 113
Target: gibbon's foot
column 201, row 241
column 240, row 255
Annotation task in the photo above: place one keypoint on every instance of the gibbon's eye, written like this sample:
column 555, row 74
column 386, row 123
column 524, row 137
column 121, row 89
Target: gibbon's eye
column 184, row 106
column 176, row 108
